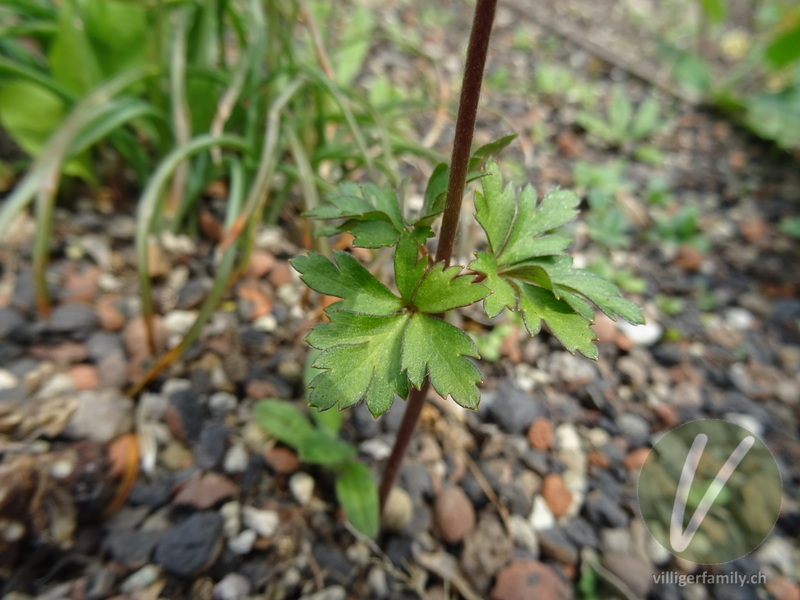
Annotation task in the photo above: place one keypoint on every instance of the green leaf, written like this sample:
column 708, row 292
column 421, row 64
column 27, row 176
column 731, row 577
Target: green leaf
column 436, row 348
column 408, row 267
column 647, row 119
column 347, row 279
column 321, row 448
column 443, row 289
column 355, row 42
column 713, row 9
column 373, row 234
column 330, row 420
column 118, row 32
column 495, row 208
column 283, row 421
column 785, row 48
column 29, row 112
column 527, row 236
column 72, row 59
column 436, row 191
column 360, row 203
column 360, row 360
column 538, row 304
column 620, row 112
column 503, row 293
column 482, row 154
column 527, row 272
column 358, row 495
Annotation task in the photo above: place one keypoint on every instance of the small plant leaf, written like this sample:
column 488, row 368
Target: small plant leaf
column 362, row 206
column 784, row 48
column 538, row 304
column 435, row 191
column 347, row 279
column 436, row 348
column 503, row 294
column 527, row 272
column 283, row 421
column 408, row 267
column 647, row 121
column 528, row 235
column 360, row 360
column 482, row 154
column 443, row 289
column 321, row 448
column 620, row 113
column 358, row 495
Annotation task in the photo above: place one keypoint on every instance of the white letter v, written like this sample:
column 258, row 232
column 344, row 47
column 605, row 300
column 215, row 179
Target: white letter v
column 679, row 539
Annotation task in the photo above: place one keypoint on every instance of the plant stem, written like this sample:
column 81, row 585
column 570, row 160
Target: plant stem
column 465, row 124
column 416, row 400
column 459, row 163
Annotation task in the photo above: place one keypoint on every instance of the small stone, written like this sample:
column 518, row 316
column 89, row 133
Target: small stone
column 541, row 517
column 540, row 434
column 222, row 403
column 263, row 522
column 132, row 549
column 604, row 512
column 487, row 549
column 453, row 514
column 178, row 323
column 77, row 320
column 157, row 263
column 193, row 293
column 635, row 428
column 176, row 456
column 335, row 592
column 243, row 543
column 232, row 587
column 113, row 371
column 523, row 534
column 642, row 335
column 398, row 510
column 282, row 460
column 556, row 494
column 134, row 336
column 12, row 324
column 375, row 448
column 232, row 518
column 636, row 573
column 236, row 459
column 688, row 258
column 635, row 459
column 261, row 263
column 140, row 580
column 281, row 274
column 301, row 485
column 184, row 415
column 524, row 579
column 108, row 312
column 206, row 491
column 378, row 584
column 80, row 283
column 556, row 545
column 100, row 416
column 192, row 546
column 512, row 408
column 84, row 377
column 209, row 451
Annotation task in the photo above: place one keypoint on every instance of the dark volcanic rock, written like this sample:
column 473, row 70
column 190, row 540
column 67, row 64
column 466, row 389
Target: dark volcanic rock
column 191, row 546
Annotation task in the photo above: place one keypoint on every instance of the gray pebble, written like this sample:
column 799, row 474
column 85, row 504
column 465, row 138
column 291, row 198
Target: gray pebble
column 191, row 546
column 209, row 451
column 78, row 320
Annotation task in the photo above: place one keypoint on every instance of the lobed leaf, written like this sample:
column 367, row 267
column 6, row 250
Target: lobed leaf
column 436, row 348
column 360, row 360
column 408, row 267
column 443, row 289
column 346, row 278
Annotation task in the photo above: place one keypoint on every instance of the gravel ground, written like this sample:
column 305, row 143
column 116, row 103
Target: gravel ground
column 517, row 500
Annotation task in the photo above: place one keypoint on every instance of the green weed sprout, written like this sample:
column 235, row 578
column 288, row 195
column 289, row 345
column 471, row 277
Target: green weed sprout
column 381, row 343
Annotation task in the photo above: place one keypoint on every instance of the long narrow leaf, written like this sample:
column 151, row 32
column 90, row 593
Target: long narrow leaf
column 150, row 205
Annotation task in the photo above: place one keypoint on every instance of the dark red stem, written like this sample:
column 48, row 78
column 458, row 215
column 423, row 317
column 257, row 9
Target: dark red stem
column 462, row 145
